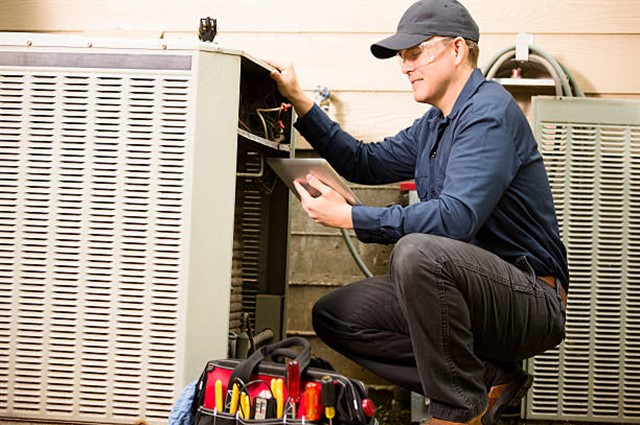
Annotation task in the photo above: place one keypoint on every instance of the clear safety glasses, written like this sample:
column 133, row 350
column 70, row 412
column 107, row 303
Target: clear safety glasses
column 424, row 53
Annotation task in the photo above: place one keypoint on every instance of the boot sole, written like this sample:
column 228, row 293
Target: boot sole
column 509, row 398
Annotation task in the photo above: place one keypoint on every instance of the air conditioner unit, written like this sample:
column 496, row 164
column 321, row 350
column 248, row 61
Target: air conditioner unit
column 125, row 167
column 591, row 149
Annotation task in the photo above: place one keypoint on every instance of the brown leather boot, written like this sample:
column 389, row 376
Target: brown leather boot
column 508, row 394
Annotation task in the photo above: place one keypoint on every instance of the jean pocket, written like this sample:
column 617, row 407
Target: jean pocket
column 547, row 338
column 557, row 326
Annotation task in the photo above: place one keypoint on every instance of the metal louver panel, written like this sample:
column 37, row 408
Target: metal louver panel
column 92, row 215
column 591, row 149
column 249, row 229
column 253, row 227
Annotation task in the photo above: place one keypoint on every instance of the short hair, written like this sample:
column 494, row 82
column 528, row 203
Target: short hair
column 474, row 52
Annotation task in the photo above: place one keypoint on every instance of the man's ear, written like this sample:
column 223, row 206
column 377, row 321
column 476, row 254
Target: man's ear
column 459, row 50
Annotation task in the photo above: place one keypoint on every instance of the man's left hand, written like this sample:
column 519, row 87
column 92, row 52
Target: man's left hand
column 329, row 209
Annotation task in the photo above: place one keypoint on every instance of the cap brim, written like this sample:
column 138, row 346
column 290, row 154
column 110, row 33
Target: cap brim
column 390, row 46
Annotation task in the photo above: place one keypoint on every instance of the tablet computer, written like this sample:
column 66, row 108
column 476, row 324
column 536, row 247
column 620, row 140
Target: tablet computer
column 290, row 169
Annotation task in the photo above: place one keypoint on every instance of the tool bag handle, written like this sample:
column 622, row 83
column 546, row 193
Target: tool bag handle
column 246, row 368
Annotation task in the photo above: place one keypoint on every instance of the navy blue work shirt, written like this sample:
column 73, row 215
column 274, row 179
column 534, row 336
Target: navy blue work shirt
column 478, row 172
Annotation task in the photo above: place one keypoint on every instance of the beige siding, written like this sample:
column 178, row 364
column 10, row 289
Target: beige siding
column 598, row 42
column 317, row 16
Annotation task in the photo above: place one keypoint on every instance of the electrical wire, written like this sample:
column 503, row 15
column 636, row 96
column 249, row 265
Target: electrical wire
column 356, row 257
column 277, row 124
column 264, row 123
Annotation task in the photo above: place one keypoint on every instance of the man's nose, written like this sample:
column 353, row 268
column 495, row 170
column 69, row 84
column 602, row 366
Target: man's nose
column 406, row 67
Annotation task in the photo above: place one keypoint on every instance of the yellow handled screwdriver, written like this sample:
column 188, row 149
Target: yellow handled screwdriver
column 280, row 399
column 245, row 405
column 218, row 394
column 235, row 393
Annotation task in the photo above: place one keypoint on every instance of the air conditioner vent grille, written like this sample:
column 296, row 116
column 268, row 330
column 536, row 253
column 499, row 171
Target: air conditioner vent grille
column 92, row 193
column 594, row 170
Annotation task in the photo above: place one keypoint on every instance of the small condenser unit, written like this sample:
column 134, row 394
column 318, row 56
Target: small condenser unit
column 132, row 181
column 591, row 149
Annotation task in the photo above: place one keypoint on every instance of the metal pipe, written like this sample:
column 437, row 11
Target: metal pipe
column 569, row 86
column 262, row 338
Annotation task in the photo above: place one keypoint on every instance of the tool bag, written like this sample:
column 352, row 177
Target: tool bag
column 214, row 399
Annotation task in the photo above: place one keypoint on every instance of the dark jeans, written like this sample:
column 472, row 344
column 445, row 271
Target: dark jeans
column 445, row 309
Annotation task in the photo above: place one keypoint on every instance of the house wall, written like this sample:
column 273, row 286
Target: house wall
column 598, row 42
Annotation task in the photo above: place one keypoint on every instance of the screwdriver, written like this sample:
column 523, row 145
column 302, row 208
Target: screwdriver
column 293, row 384
column 278, row 393
column 218, row 395
column 233, row 408
column 312, row 401
column 328, row 398
column 245, row 406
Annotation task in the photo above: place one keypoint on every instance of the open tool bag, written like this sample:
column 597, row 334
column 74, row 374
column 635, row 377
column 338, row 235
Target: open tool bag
column 283, row 390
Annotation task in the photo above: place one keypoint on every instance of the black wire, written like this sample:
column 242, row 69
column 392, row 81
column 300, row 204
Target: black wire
column 257, row 381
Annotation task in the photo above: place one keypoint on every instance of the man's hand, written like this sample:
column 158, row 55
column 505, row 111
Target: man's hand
column 329, row 209
column 286, row 78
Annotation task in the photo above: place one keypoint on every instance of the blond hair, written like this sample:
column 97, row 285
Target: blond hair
column 474, row 52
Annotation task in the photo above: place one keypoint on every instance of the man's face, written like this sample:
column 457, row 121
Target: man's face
column 428, row 68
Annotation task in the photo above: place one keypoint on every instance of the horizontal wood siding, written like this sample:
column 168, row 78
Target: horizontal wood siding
column 315, row 16
column 598, row 42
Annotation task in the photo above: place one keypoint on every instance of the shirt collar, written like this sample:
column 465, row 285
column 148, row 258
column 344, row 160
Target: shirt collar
column 470, row 87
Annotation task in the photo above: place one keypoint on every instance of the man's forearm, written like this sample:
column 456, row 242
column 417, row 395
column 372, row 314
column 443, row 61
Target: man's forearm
column 301, row 103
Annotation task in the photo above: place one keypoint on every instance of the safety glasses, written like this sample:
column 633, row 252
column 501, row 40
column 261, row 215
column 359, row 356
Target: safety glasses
column 424, row 53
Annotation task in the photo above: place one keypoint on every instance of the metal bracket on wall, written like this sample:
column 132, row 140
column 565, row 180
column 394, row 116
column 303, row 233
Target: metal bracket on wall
column 208, row 29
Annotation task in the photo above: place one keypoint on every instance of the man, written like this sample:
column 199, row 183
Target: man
column 478, row 277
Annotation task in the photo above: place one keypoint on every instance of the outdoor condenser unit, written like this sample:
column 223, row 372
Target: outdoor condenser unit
column 591, row 149
column 132, row 181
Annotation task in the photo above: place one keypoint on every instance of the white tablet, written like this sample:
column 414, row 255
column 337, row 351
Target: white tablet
column 290, row 169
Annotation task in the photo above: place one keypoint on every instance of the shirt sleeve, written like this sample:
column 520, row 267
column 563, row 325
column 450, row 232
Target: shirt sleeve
column 388, row 161
column 482, row 163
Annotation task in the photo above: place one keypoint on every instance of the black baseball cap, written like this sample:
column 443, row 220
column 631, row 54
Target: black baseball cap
column 425, row 19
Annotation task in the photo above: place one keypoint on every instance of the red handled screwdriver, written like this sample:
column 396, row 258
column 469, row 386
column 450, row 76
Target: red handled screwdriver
column 293, row 385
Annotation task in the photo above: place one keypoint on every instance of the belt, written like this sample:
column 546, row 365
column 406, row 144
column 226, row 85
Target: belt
column 551, row 281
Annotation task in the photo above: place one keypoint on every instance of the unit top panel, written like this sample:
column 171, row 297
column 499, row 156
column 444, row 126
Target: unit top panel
column 86, row 44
